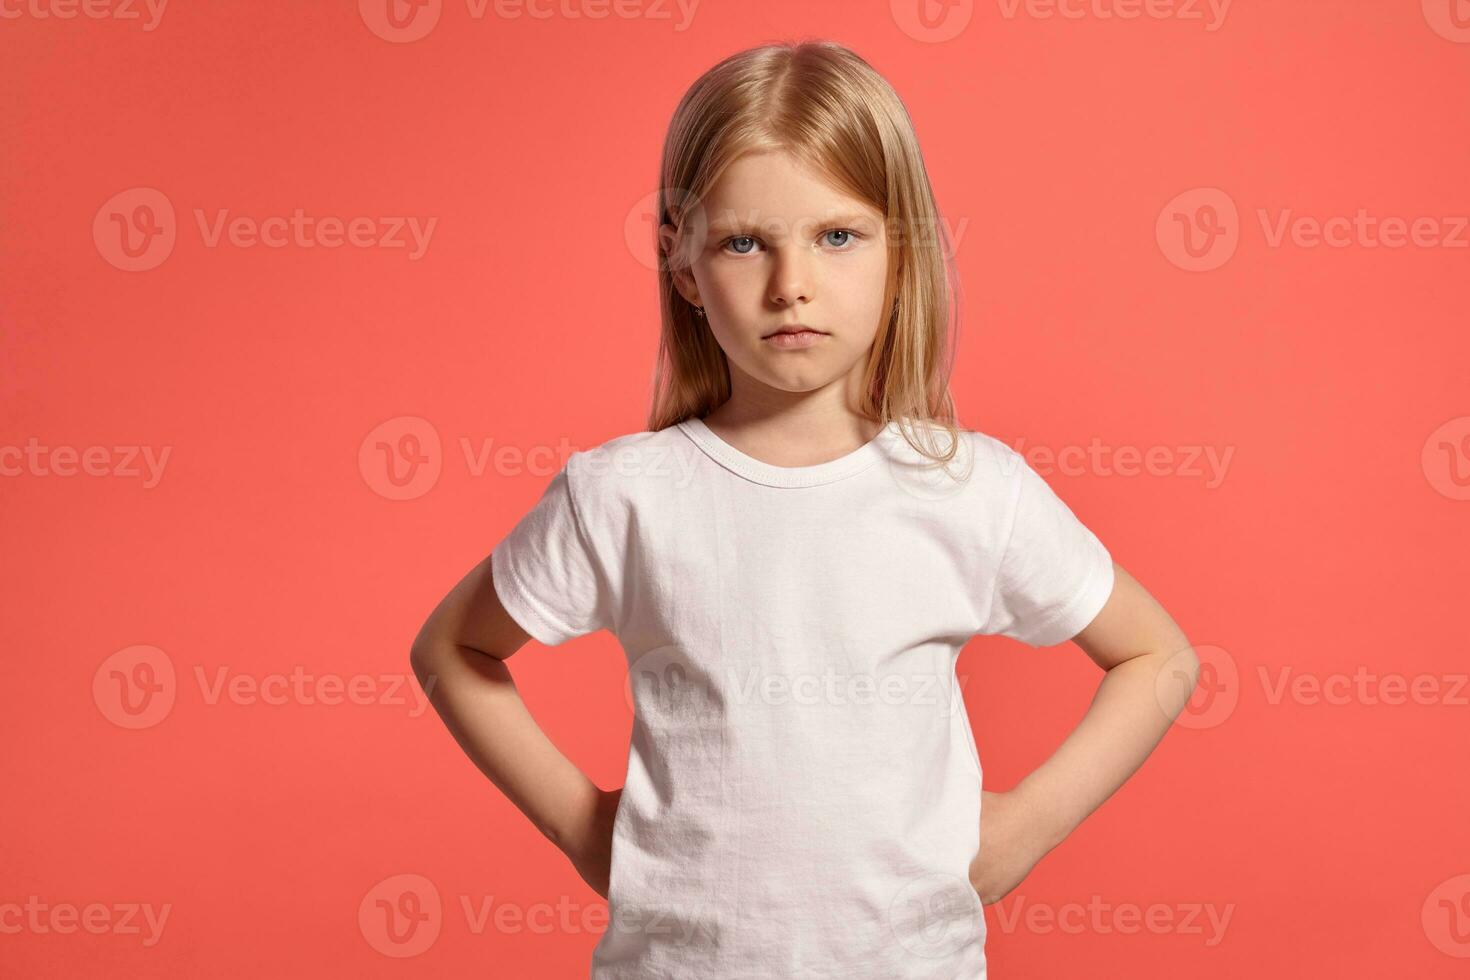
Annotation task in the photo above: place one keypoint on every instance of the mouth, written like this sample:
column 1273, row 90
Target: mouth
column 794, row 336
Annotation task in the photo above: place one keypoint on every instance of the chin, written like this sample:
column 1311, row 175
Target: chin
column 798, row 383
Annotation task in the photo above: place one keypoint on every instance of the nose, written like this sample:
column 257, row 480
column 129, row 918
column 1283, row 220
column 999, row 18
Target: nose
column 790, row 279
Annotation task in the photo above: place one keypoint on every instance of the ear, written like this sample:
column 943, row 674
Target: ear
column 678, row 265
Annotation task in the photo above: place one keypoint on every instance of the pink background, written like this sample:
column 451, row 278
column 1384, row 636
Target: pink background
column 1067, row 152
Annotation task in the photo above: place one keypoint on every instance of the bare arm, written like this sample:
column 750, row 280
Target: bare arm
column 1135, row 641
column 459, row 658
column 1150, row 672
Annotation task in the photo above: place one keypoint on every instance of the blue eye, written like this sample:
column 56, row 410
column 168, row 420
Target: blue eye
column 848, row 237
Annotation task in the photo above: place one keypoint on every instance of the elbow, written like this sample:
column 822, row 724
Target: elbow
column 424, row 656
column 418, row 662
column 1180, row 676
column 1185, row 661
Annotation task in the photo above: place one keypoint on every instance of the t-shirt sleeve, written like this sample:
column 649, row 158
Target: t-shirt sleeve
column 1054, row 576
column 546, row 571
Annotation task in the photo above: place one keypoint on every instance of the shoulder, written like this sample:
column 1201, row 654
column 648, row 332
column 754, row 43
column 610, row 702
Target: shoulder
column 991, row 448
column 981, row 464
column 984, row 445
column 1010, row 473
column 615, row 469
column 630, row 455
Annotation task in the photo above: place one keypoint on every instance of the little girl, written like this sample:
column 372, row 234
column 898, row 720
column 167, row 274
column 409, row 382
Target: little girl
column 792, row 557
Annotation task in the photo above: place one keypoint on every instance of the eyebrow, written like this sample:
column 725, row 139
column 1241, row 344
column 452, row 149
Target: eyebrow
column 728, row 224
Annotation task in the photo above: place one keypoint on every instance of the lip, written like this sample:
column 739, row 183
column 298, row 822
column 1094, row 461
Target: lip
column 792, row 328
column 794, row 336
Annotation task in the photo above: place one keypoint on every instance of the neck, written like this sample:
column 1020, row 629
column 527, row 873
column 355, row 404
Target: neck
column 788, row 428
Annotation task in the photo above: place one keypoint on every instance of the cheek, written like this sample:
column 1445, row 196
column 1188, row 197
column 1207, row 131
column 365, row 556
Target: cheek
column 865, row 310
column 724, row 284
column 863, row 284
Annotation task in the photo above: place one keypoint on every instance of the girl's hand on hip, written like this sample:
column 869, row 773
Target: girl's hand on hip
column 591, row 851
column 1009, row 846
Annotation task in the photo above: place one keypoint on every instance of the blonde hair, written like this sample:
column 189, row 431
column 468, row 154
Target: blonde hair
column 828, row 108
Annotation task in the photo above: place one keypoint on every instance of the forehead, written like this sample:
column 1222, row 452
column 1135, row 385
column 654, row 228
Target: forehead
column 774, row 186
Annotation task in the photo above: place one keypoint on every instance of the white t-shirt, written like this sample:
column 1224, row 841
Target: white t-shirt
column 803, row 790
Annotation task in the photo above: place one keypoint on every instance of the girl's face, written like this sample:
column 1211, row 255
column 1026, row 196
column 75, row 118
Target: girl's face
column 785, row 250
